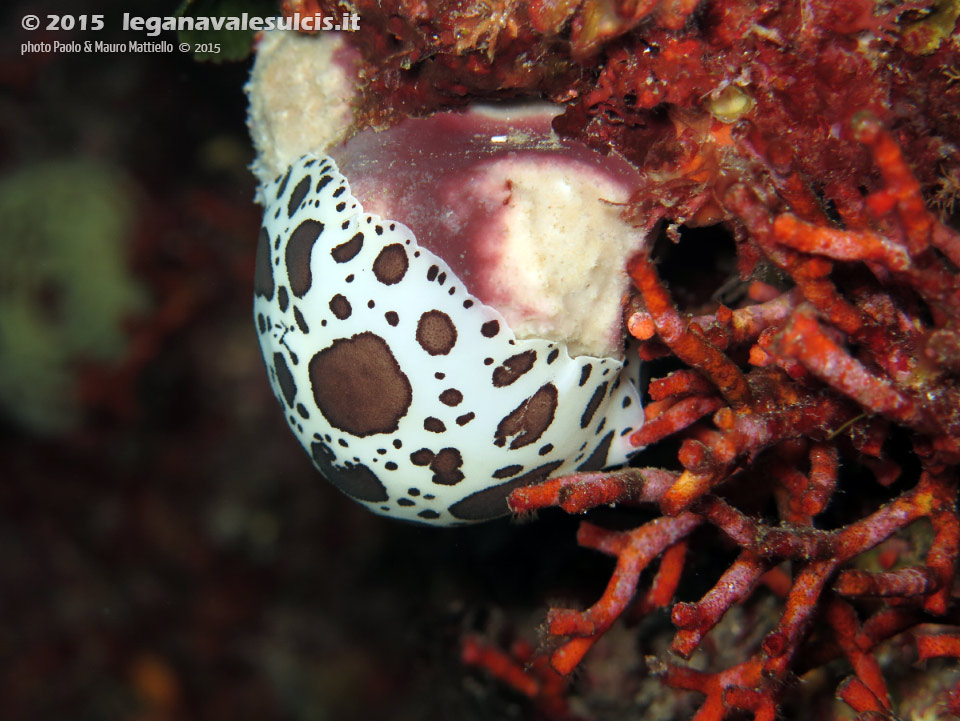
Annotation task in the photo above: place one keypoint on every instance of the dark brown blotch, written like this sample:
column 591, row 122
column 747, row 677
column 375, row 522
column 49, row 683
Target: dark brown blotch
column 492, row 502
column 391, row 264
column 359, row 386
column 451, row 397
column 513, row 367
column 283, row 183
column 436, row 333
column 434, row 425
column 598, row 459
column 355, row 480
column 297, row 255
column 348, row 250
column 298, row 194
column 340, row 307
column 285, row 378
column 422, row 457
column 300, row 320
column 446, row 467
column 262, row 272
column 592, row 406
column 445, row 464
column 585, row 374
column 528, row 421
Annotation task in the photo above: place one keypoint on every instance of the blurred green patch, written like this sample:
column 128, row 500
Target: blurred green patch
column 65, row 285
column 233, row 44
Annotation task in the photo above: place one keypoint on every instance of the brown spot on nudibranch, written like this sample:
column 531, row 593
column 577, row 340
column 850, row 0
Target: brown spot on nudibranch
column 585, row 374
column 300, row 320
column 492, row 502
column 507, row 471
column 528, row 421
column 358, row 385
column 446, row 467
column 391, row 264
column 593, row 405
column 283, row 183
column 434, row 425
column 598, row 459
column 513, row 367
column 357, row 481
column 297, row 196
column 297, row 256
column 451, row 397
column 445, row 464
column 263, row 273
column 436, row 333
column 348, row 251
column 423, row 457
column 287, row 385
column 340, row 307
column 490, row 329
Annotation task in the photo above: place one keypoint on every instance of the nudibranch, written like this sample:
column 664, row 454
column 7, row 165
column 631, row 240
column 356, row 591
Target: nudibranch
column 439, row 304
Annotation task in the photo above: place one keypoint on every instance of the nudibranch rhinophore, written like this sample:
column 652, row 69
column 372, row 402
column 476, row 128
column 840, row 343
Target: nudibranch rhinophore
column 439, row 304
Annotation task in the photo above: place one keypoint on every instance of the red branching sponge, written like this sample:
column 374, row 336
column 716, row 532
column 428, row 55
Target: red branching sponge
column 809, row 399
column 529, row 675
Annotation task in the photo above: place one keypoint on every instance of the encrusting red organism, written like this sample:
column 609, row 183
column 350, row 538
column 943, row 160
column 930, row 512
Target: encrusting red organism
column 806, row 398
column 817, row 133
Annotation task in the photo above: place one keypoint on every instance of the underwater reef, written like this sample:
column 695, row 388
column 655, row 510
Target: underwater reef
column 802, row 427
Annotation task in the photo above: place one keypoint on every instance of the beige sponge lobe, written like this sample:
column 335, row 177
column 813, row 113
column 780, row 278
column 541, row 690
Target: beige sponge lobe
column 302, row 90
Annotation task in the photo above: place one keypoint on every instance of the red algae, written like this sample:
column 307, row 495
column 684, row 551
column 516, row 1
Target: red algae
column 824, row 137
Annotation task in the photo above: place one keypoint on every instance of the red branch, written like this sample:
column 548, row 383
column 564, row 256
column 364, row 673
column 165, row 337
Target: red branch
column 694, row 620
column 842, row 359
column 684, row 339
column 634, row 551
column 804, row 339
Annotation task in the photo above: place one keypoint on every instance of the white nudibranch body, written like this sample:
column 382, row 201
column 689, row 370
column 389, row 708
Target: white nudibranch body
column 439, row 305
column 411, row 395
